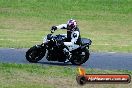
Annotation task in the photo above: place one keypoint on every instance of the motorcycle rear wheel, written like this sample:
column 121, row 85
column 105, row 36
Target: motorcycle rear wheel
column 79, row 58
column 34, row 54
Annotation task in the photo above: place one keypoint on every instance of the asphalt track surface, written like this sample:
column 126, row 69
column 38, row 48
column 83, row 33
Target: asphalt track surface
column 102, row 60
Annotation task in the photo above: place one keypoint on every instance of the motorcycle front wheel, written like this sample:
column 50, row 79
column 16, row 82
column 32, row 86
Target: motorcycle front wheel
column 34, row 54
column 79, row 58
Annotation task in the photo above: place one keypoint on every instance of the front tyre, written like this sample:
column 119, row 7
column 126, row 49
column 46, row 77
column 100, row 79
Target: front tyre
column 79, row 58
column 34, row 54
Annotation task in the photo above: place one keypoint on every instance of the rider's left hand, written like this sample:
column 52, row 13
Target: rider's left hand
column 53, row 28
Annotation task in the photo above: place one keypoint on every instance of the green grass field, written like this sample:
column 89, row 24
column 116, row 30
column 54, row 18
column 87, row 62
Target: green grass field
column 23, row 23
column 108, row 23
column 43, row 76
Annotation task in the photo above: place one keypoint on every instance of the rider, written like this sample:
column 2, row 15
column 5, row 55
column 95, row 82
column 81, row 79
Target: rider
column 73, row 33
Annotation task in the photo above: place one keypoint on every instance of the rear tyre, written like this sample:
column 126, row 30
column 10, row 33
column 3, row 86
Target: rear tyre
column 80, row 57
column 34, row 54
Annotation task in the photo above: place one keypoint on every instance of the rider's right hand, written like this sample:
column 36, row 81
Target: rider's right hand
column 53, row 28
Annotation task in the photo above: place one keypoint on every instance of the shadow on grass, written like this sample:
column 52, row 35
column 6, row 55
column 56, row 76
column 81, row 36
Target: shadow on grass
column 57, row 64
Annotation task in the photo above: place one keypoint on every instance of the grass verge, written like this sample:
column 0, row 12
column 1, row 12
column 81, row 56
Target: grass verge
column 43, row 76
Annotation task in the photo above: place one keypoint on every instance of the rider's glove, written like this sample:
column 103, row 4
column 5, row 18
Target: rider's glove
column 53, row 28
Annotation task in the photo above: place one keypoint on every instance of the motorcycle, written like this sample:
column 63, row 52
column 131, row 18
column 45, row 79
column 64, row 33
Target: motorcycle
column 55, row 50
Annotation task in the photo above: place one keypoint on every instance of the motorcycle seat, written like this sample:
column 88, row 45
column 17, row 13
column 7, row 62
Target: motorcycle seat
column 85, row 41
